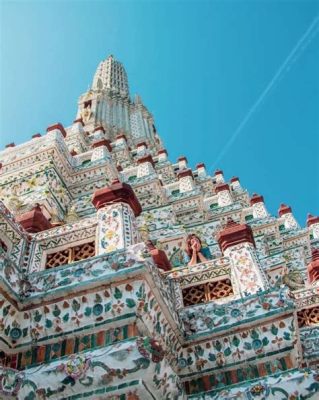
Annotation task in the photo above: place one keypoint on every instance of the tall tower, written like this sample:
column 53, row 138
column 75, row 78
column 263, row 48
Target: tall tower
column 126, row 276
column 111, row 76
column 108, row 104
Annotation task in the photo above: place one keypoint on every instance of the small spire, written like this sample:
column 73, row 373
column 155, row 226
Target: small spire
column 230, row 222
column 256, row 198
column 311, row 220
column 284, row 209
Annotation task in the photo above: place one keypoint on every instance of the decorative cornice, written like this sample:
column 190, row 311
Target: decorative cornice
column 141, row 144
column 144, row 159
column 311, row 220
column 79, row 120
column 99, row 128
column 103, row 142
column 121, row 136
column 200, row 165
column 256, row 198
column 57, row 126
column 234, row 234
column 185, row 172
column 283, row 209
column 118, row 192
column 34, row 221
column 221, row 187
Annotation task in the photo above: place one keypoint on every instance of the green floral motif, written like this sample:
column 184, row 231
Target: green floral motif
column 198, row 319
column 150, row 349
column 117, row 293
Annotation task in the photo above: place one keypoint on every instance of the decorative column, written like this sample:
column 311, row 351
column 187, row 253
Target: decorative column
column 126, row 113
column 223, row 195
column 117, row 207
column 56, row 129
column 285, row 214
column 201, row 170
column 34, row 221
column 123, row 151
column 182, row 162
column 313, row 267
column 145, row 166
column 219, row 176
column 258, row 206
column 235, row 183
column 99, row 133
column 101, row 150
column 186, row 180
column 313, row 225
column 162, row 155
column 141, row 148
column 121, row 140
column 77, row 125
column 236, row 241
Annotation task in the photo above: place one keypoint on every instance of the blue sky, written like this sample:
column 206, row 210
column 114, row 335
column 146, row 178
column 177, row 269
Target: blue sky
column 199, row 66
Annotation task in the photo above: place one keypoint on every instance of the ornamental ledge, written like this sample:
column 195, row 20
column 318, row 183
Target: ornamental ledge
column 205, row 319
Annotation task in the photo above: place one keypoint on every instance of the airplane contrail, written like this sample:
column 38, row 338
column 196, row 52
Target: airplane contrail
column 292, row 57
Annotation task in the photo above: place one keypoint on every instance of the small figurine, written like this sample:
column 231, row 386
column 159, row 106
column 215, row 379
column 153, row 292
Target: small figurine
column 72, row 215
column 195, row 251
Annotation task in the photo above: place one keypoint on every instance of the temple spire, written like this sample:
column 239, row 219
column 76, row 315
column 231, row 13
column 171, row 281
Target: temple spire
column 111, row 75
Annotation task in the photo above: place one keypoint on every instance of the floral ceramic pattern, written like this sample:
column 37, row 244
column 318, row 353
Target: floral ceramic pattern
column 286, row 386
column 115, row 228
column 114, row 326
column 96, row 369
column 203, row 319
column 247, row 269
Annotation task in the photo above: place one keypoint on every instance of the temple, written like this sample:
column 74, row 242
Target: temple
column 127, row 276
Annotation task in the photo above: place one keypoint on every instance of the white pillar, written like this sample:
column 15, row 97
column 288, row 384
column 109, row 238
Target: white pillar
column 313, row 225
column 117, row 209
column 219, row 176
column 162, row 155
column 186, row 181
column 236, row 242
column 223, row 195
column 235, row 183
column 201, row 170
column 182, row 162
column 286, row 216
column 258, row 206
column 145, row 166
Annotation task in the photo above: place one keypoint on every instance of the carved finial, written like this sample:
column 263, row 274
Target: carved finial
column 311, row 220
column 284, row 209
column 72, row 215
column 230, row 222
